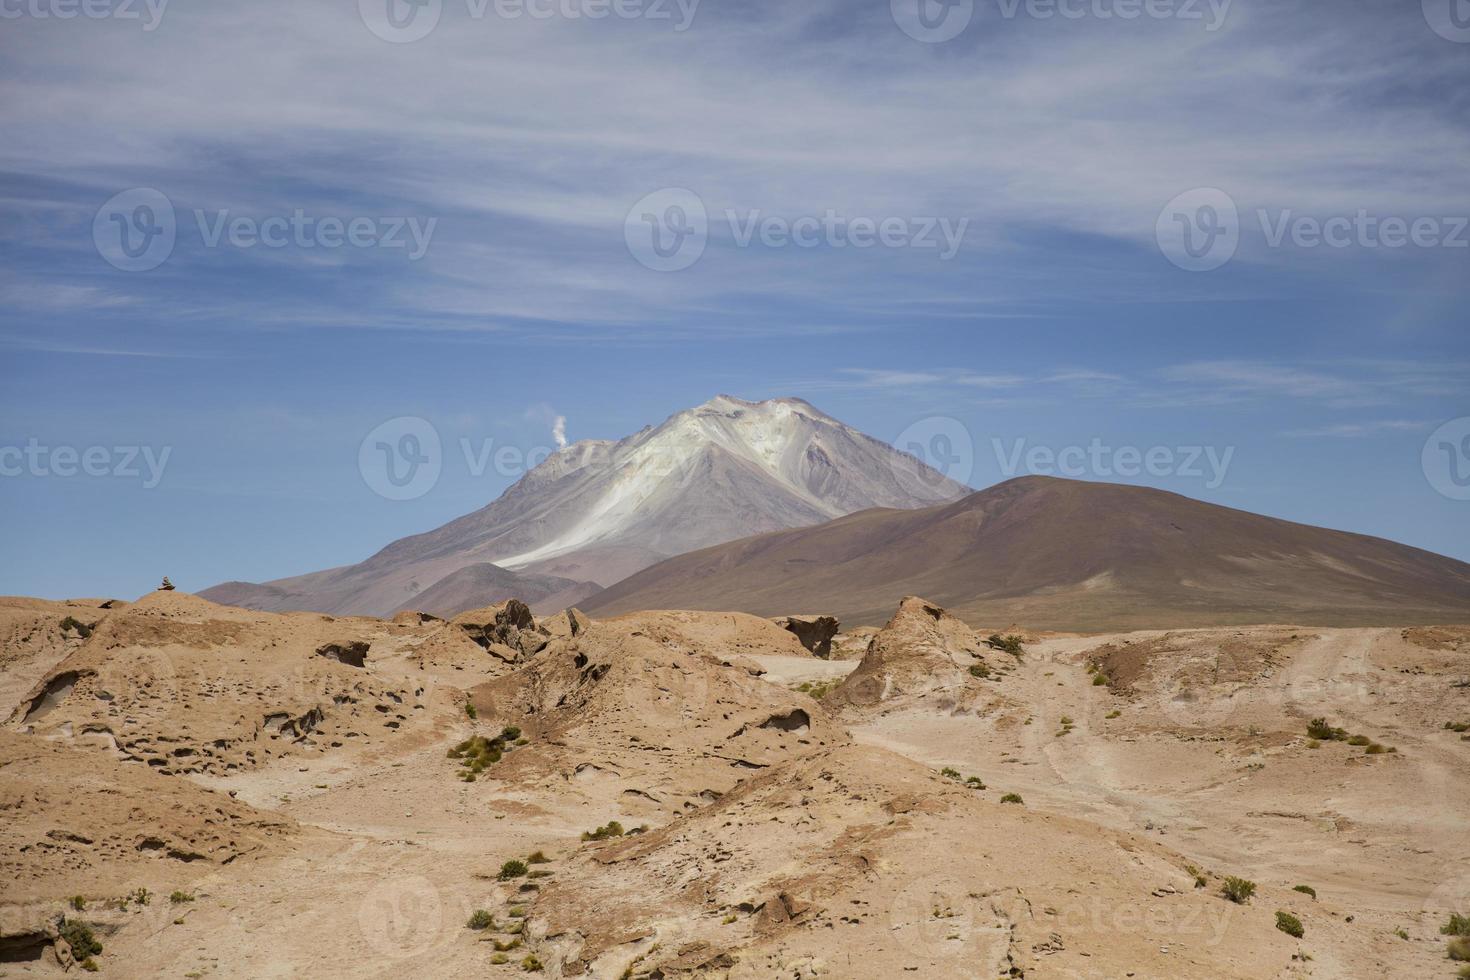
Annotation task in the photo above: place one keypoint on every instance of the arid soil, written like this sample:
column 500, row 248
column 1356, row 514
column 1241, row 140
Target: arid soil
column 216, row 792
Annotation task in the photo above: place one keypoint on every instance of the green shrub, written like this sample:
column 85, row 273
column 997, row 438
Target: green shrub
column 531, row 964
column 78, row 935
column 510, row 733
column 1359, row 740
column 1114, row 713
column 1239, row 890
column 1319, row 729
column 1458, row 925
column 90, row 965
column 481, row 919
column 512, row 869
column 78, row 903
column 1457, row 726
column 179, row 898
column 1459, row 948
column 611, row 829
column 142, row 896
column 974, row 782
column 1376, row 749
column 1290, row 925
column 499, row 958
column 979, row 670
column 476, row 754
column 1306, row 890
column 1099, row 680
column 1012, row 798
column 818, row 689
column 1402, row 934
column 950, row 773
column 1009, row 644
column 72, row 623
column 469, row 709
column 539, row 857
column 1464, row 973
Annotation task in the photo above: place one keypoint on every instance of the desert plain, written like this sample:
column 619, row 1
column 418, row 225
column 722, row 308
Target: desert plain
column 197, row 790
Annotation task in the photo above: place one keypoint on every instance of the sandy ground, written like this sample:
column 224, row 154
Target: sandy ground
column 1228, row 779
column 396, row 854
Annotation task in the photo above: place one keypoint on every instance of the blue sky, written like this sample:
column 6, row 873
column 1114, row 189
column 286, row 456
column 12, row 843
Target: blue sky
column 517, row 148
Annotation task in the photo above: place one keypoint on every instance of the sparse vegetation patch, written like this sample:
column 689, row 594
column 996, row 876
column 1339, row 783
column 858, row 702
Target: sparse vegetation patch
column 818, row 689
column 78, row 935
column 1010, row 643
column 611, row 829
column 1238, row 890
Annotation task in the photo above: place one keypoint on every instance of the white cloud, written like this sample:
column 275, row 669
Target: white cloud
column 531, row 139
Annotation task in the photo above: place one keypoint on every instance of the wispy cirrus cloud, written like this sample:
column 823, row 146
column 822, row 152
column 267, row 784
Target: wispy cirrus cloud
column 1358, row 430
column 786, row 110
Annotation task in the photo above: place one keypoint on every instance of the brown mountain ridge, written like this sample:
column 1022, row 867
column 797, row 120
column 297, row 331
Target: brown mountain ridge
column 1068, row 555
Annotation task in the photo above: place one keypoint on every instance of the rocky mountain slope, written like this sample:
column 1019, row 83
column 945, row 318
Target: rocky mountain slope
column 598, row 511
column 1063, row 554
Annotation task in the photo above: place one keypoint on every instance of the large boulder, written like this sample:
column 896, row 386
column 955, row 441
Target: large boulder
column 506, row 624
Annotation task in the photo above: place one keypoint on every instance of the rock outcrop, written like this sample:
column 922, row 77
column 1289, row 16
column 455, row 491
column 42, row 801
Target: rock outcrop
column 922, row 651
column 814, row 632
